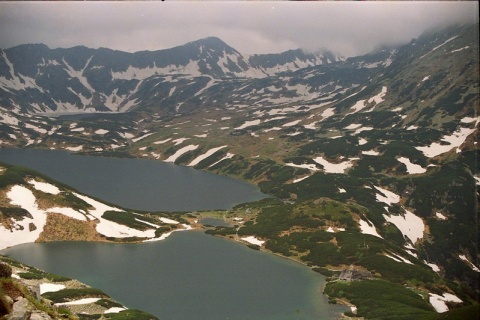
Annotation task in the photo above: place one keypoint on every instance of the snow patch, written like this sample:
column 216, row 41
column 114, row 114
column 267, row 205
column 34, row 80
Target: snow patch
column 439, row 303
column 168, row 221
column 398, row 258
column 454, row 140
column 50, row 287
column 253, row 240
column 44, row 187
column 178, row 141
column 412, row 168
column 101, row 131
column 228, row 156
column 300, row 179
column 207, row 154
column 78, row 302
column 371, row 153
column 69, row 212
column 309, row 166
column 367, row 227
column 109, row 228
column 180, row 152
column 410, row 225
column 353, row 126
column 474, row 267
column 291, row 124
column 162, row 141
column 329, row 167
column 440, row 216
column 142, row 137
column 248, row 124
column 386, row 196
column 74, row 149
column 115, row 310
column 327, row 113
column 434, row 267
column 25, row 199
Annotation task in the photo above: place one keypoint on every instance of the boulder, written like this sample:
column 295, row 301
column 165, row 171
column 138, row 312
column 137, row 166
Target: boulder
column 22, row 310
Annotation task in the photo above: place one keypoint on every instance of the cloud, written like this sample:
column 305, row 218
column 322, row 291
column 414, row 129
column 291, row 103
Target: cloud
column 349, row 28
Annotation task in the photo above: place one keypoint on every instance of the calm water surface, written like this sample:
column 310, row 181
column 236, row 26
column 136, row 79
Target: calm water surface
column 137, row 183
column 190, row 275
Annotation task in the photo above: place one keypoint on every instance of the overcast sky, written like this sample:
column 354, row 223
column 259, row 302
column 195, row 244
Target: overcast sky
column 347, row 28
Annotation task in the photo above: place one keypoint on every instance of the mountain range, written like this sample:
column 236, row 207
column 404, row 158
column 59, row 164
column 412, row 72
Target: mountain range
column 372, row 160
column 83, row 79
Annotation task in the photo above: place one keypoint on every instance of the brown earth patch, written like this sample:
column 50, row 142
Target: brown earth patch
column 11, row 290
column 4, row 200
column 60, row 228
column 44, row 202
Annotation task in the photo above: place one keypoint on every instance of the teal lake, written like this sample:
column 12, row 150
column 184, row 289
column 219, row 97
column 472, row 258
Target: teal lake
column 189, row 275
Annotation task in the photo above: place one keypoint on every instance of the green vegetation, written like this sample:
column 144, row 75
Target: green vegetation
column 379, row 299
column 128, row 219
column 107, row 303
column 461, row 313
column 129, row 315
column 34, row 273
column 66, row 295
column 15, row 213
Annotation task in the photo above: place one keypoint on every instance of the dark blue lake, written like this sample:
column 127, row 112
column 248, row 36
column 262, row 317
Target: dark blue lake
column 137, row 183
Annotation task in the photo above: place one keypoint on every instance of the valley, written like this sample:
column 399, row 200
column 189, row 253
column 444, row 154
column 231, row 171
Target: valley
column 370, row 162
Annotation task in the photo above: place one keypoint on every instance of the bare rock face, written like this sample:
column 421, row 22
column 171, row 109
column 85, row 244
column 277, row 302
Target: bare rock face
column 6, row 304
column 40, row 316
column 22, row 310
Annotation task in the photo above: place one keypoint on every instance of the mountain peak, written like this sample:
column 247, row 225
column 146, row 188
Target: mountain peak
column 212, row 43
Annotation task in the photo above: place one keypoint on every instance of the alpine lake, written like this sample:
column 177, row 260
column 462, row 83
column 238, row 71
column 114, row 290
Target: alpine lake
column 189, row 275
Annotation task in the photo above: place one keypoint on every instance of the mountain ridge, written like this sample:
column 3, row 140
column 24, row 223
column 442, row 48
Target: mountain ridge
column 94, row 74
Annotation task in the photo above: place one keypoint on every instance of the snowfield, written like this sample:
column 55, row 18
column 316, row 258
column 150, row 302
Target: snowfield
column 180, row 152
column 247, row 124
column 25, row 199
column 22, row 232
column 204, row 156
column 439, row 303
column 398, row 258
column 253, row 240
column 454, row 140
column 410, row 225
column 228, row 156
column 329, row 167
column 311, row 166
column 109, row 228
column 44, row 187
column 386, row 196
column 470, row 264
column 367, row 227
column 412, row 168
column 50, row 287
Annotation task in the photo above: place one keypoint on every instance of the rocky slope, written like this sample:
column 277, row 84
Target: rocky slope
column 29, row 293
